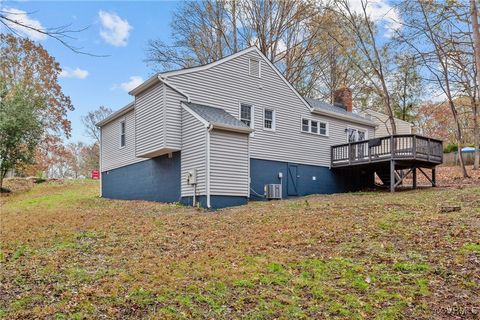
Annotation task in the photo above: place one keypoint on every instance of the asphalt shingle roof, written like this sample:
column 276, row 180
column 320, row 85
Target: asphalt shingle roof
column 322, row 105
column 216, row 115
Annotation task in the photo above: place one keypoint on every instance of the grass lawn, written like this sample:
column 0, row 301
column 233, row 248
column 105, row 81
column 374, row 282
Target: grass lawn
column 65, row 253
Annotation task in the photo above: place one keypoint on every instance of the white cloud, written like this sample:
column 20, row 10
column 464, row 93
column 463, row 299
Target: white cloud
column 22, row 17
column 381, row 12
column 115, row 30
column 132, row 83
column 74, row 73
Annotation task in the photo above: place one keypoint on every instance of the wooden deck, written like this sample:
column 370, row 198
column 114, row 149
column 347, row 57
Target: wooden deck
column 391, row 157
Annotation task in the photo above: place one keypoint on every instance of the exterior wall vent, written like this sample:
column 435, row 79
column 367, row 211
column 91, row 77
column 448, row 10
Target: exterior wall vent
column 273, row 191
column 255, row 68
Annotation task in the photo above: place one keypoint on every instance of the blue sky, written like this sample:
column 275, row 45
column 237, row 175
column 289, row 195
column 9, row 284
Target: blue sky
column 120, row 30
column 117, row 29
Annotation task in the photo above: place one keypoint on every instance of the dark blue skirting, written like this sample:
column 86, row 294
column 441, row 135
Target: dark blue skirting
column 156, row 179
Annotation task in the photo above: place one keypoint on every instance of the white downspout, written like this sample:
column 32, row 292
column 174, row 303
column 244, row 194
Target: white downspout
column 207, row 169
column 100, row 162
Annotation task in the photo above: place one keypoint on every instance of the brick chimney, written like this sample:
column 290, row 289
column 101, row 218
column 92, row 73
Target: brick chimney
column 343, row 98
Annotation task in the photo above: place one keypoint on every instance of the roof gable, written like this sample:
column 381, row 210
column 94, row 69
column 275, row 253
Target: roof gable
column 216, row 117
column 165, row 75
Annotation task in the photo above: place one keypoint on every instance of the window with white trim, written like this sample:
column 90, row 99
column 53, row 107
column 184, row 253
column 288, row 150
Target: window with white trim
column 122, row 134
column 246, row 114
column 323, row 128
column 315, row 127
column 305, row 125
column 255, row 68
column 269, row 119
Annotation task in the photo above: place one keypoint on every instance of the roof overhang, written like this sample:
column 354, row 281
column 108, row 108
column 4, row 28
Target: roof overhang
column 221, row 126
column 158, row 78
column 129, row 107
column 157, row 152
column 215, row 125
column 343, row 117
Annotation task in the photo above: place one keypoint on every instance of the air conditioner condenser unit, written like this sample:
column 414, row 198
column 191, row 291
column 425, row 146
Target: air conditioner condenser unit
column 273, row 191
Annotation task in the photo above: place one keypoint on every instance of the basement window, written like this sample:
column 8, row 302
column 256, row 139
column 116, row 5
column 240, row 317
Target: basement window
column 122, row 134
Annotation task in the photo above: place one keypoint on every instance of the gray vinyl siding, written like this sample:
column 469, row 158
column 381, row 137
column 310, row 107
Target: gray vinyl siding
column 383, row 124
column 173, row 118
column 229, row 163
column 193, row 154
column 149, row 113
column 228, row 84
column 112, row 156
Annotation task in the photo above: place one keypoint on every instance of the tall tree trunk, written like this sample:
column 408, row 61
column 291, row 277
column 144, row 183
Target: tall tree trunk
column 476, row 46
column 234, row 25
column 459, row 139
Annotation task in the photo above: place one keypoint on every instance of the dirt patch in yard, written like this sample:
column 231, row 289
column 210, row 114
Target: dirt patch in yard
column 67, row 253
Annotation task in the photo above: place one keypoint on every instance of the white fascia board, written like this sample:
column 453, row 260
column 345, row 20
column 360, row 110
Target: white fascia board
column 154, row 80
column 129, row 107
column 336, row 115
column 221, row 126
column 206, row 66
column 145, row 85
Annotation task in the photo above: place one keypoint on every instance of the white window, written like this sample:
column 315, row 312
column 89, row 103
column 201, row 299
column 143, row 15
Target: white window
column 305, row 125
column 323, row 128
column 269, row 119
column 246, row 112
column 122, row 134
column 255, row 68
column 315, row 127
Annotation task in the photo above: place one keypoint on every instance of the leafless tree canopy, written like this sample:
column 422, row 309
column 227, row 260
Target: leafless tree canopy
column 63, row 34
column 91, row 119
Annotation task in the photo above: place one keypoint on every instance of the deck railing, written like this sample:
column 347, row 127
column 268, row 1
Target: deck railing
column 400, row 147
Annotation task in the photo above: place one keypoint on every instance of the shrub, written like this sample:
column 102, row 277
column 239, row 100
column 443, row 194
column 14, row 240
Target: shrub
column 451, row 147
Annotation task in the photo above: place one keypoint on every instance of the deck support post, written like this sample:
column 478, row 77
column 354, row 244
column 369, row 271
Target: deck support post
column 414, row 172
column 392, row 176
column 434, row 180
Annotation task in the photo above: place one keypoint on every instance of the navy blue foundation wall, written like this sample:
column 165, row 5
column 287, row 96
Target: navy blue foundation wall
column 156, row 179
column 301, row 179
column 216, row 202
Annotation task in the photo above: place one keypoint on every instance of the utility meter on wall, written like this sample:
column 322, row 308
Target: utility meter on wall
column 192, row 176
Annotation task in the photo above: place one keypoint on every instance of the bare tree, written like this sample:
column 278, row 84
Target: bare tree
column 427, row 29
column 374, row 64
column 63, row 34
column 208, row 30
column 406, row 87
column 91, row 119
column 476, row 37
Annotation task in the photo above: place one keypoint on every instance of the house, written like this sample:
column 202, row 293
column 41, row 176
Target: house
column 218, row 133
column 384, row 127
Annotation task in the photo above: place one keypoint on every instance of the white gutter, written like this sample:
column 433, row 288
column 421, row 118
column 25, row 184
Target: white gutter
column 120, row 112
column 221, row 126
column 336, row 115
column 207, row 169
column 100, row 162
